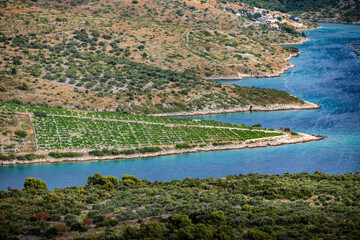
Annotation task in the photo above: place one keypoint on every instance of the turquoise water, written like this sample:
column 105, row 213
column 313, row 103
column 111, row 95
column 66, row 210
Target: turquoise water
column 327, row 73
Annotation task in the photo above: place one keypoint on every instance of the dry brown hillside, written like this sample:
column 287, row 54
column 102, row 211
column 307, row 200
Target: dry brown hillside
column 140, row 56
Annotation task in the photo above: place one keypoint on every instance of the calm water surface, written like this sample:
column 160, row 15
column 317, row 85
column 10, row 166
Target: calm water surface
column 327, row 73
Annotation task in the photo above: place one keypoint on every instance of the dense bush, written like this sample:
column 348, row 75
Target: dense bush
column 291, row 206
column 182, row 146
column 148, row 150
column 108, row 182
column 23, row 87
column 7, row 157
column 40, row 114
column 20, row 133
column 65, row 154
column 30, row 156
column 107, row 152
column 289, row 29
column 34, row 184
column 128, row 179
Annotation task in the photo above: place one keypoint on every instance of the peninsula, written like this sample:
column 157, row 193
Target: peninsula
column 49, row 135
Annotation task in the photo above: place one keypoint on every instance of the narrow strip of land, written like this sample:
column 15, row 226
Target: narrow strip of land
column 70, row 135
column 254, row 143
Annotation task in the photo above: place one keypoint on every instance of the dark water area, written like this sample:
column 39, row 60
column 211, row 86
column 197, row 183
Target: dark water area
column 326, row 73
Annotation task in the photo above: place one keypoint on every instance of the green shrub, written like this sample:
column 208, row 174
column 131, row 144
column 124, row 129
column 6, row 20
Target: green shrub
column 129, row 179
column 40, row 114
column 182, row 146
column 108, row 182
column 220, row 143
column 35, row 70
column 128, row 151
column 34, row 184
column 65, row 154
column 8, row 157
column 32, row 156
column 148, row 150
column 23, row 87
column 20, row 133
column 289, row 29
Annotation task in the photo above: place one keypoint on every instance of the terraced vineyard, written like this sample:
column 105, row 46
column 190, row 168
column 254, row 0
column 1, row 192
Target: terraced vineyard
column 62, row 129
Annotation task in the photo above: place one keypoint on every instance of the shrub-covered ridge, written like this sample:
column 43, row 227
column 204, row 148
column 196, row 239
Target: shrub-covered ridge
column 253, row 206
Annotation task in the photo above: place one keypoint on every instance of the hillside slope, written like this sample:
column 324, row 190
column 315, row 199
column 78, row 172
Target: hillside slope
column 139, row 56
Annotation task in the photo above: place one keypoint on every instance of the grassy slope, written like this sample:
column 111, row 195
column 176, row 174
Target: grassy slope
column 46, row 47
column 291, row 206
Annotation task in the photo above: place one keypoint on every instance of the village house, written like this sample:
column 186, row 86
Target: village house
column 271, row 20
column 261, row 20
column 295, row 18
column 274, row 25
column 259, row 10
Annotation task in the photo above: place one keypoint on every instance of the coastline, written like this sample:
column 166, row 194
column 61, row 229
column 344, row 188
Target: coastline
column 276, row 73
column 331, row 20
column 246, row 144
column 285, row 68
column 252, row 143
column 282, row 70
column 275, row 107
column 297, row 43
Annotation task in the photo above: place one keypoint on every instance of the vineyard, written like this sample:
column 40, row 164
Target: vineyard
column 59, row 129
column 9, row 107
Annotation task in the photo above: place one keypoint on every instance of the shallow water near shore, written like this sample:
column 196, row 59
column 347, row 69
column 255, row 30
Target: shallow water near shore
column 326, row 73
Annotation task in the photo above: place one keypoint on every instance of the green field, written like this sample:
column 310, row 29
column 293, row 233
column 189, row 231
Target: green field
column 9, row 107
column 77, row 130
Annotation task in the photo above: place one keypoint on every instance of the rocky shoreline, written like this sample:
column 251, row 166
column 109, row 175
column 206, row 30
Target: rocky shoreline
column 276, row 73
column 331, row 20
column 282, row 70
column 273, row 107
column 304, row 40
column 252, row 143
column 289, row 65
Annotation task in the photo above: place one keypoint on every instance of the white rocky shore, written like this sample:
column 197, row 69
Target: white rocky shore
column 272, row 107
column 252, row 143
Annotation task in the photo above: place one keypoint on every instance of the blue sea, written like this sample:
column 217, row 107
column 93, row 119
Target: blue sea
column 326, row 73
